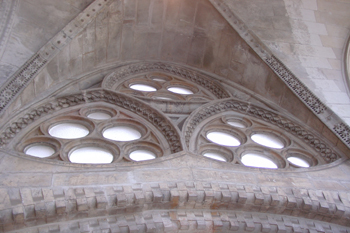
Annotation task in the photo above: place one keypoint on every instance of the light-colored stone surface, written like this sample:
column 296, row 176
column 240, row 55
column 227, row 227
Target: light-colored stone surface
column 194, row 194
column 29, row 25
column 309, row 37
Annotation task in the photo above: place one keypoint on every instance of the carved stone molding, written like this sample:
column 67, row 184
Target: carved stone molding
column 63, row 204
column 309, row 138
column 127, row 71
column 30, row 69
column 191, row 221
column 298, row 87
column 19, row 81
column 96, row 95
column 277, row 66
column 7, row 9
column 258, row 46
column 343, row 131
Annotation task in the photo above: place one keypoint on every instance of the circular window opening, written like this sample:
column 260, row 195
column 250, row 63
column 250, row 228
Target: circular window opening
column 268, row 140
column 99, row 116
column 68, row 131
column 215, row 156
column 142, row 155
column 257, row 160
column 142, row 87
column 122, row 133
column 40, row 151
column 223, row 139
column 298, row 162
column 236, row 124
column 180, row 90
column 91, row 155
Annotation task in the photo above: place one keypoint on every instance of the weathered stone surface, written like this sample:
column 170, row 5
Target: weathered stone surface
column 192, row 39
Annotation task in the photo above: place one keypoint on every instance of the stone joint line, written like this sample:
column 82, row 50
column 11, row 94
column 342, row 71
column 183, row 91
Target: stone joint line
column 192, row 221
column 306, row 96
column 31, row 68
column 27, row 205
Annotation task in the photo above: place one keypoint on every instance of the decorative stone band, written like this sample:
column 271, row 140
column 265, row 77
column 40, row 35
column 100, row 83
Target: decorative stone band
column 19, row 81
column 30, row 69
column 298, row 87
column 242, row 107
column 285, row 74
column 269, row 206
column 7, row 14
column 191, row 221
column 97, row 95
column 343, row 131
column 258, row 46
column 130, row 70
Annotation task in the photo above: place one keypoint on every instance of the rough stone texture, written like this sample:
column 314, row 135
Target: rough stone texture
column 183, row 192
column 309, row 36
column 25, row 26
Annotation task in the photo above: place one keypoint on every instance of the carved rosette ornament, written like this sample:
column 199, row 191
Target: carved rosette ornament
column 344, row 132
column 298, row 87
column 20, row 80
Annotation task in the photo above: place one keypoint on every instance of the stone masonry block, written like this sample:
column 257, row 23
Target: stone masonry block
column 291, row 201
column 40, row 210
column 150, row 227
column 344, row 199
column 307, row 203
column 259, row 199
column 37, row 195
column 18, row 214
column 226, row 196
column 101, row 201
column 48, row 194
column 234, row 225
column 275, row 199
column 168, row 225
column 54, row 229
column 139, row 198
column 82, row 204
column 201, row 225
column 242, row 197
column 218, row 225
column 183, row 196
column 192, row 196
column 58, row 193
column 166, row 194
column 79, row 192
column 121, row 199
column 15, row 196
column 157, row 195
column 249, row 225
column 60, row 207
column 50, row 209
column 184, row 225
column 174, row 197
column 209, row 196
column 89, row 192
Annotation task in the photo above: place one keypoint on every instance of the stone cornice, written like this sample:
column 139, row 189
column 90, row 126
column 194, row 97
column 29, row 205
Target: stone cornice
column 65, row 204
